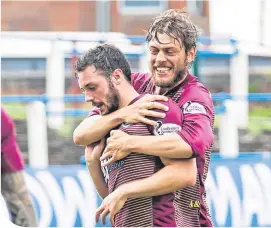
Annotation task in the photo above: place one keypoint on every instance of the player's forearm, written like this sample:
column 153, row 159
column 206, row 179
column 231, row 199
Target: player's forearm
column 90, row 131
column 162, row 182
column 170, row 146
column 96, row 174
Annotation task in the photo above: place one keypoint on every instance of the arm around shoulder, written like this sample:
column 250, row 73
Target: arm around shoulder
column 94, row 128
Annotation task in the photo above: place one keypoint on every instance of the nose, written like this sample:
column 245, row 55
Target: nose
column 160, row 57
column 88, row 97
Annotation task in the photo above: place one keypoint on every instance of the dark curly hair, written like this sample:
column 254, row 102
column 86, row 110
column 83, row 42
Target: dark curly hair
column 106, row 58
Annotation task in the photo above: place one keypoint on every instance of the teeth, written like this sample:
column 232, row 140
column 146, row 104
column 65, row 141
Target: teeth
column 162, row 69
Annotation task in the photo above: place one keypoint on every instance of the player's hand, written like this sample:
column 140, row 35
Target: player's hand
column 111, row 205
column 116, row 147
column 138, row 111
column 93, row 151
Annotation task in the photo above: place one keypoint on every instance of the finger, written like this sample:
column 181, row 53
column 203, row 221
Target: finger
column 109, row 140
column 113, row 132
column 98, row 212
column 108, row 162
column 116, row 134
column 104, row 214
column 105, row 156
column 156, row 105
column 146, row 121
column 102, row 141
column 152, row 113
column 112, row 218
column 153, row 97
column 90, row 147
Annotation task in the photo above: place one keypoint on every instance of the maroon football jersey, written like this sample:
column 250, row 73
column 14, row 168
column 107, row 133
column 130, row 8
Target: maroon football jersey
column 196, row 105
column 11, row 158
column 147, row 211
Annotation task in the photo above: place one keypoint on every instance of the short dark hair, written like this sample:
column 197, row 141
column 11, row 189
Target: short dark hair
column 177, row 24
column 106, row 58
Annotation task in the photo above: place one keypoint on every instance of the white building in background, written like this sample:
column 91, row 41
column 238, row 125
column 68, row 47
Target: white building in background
column 246, row 21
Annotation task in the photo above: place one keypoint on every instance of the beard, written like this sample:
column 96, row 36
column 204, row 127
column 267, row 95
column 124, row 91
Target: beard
column 178, row 76
column 112, row 98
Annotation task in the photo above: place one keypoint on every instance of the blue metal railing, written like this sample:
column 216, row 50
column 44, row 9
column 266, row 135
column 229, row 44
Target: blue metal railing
column 80, row 98
column 68, row 98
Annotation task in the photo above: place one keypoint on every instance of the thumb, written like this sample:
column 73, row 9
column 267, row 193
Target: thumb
column 102, row 143
column 112, row 132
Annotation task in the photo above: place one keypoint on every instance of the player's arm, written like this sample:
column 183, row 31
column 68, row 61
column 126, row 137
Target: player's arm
column 162, row 182
column 170, row 146
column 92, row 155
column 177, row 174
column 195, row 137
column 18, row 199
column 93, row 129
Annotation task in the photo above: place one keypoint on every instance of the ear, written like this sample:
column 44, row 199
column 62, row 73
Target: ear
column 191, row 54
column 117, row 76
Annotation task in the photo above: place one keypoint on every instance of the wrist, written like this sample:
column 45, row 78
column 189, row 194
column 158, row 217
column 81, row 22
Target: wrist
column 123, row 191
column 131, row 145
column 120, row 115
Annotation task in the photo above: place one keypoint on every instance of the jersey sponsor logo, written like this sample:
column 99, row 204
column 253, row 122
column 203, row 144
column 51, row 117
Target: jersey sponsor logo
column 194, row 204
column 117, row 164
column 105, row 171
column 125, row 125
column 193, row 108
column 166, row 129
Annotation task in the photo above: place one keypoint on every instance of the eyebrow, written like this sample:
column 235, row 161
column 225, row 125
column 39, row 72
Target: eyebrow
column 164, row 48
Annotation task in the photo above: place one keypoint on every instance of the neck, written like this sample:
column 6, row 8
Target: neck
column 127, row 94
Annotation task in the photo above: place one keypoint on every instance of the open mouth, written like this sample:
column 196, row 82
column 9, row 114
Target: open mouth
column 162, row 70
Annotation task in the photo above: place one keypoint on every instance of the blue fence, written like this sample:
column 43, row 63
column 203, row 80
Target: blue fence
column 80, row 98
column 238, row 190
column 218, row 97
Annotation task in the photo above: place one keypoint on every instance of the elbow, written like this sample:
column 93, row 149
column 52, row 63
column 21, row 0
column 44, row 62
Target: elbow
column 78, row 138
column 188, row 180
column 191, row 179
column 191, row 175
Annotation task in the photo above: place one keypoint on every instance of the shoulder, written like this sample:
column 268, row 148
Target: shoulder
column 5, row 117
column 174, row 112
column 173, row 106
column 6, row 122
column 196, row 96
column 138, row 78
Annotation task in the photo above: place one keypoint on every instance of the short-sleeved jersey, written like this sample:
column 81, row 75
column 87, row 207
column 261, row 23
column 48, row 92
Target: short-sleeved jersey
column 147, row 211
column 196, row 105
column 11, row 158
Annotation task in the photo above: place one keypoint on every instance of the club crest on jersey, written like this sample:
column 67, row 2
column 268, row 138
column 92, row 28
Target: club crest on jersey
column 124, row 125
column 193, row 108
column 166, row 129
